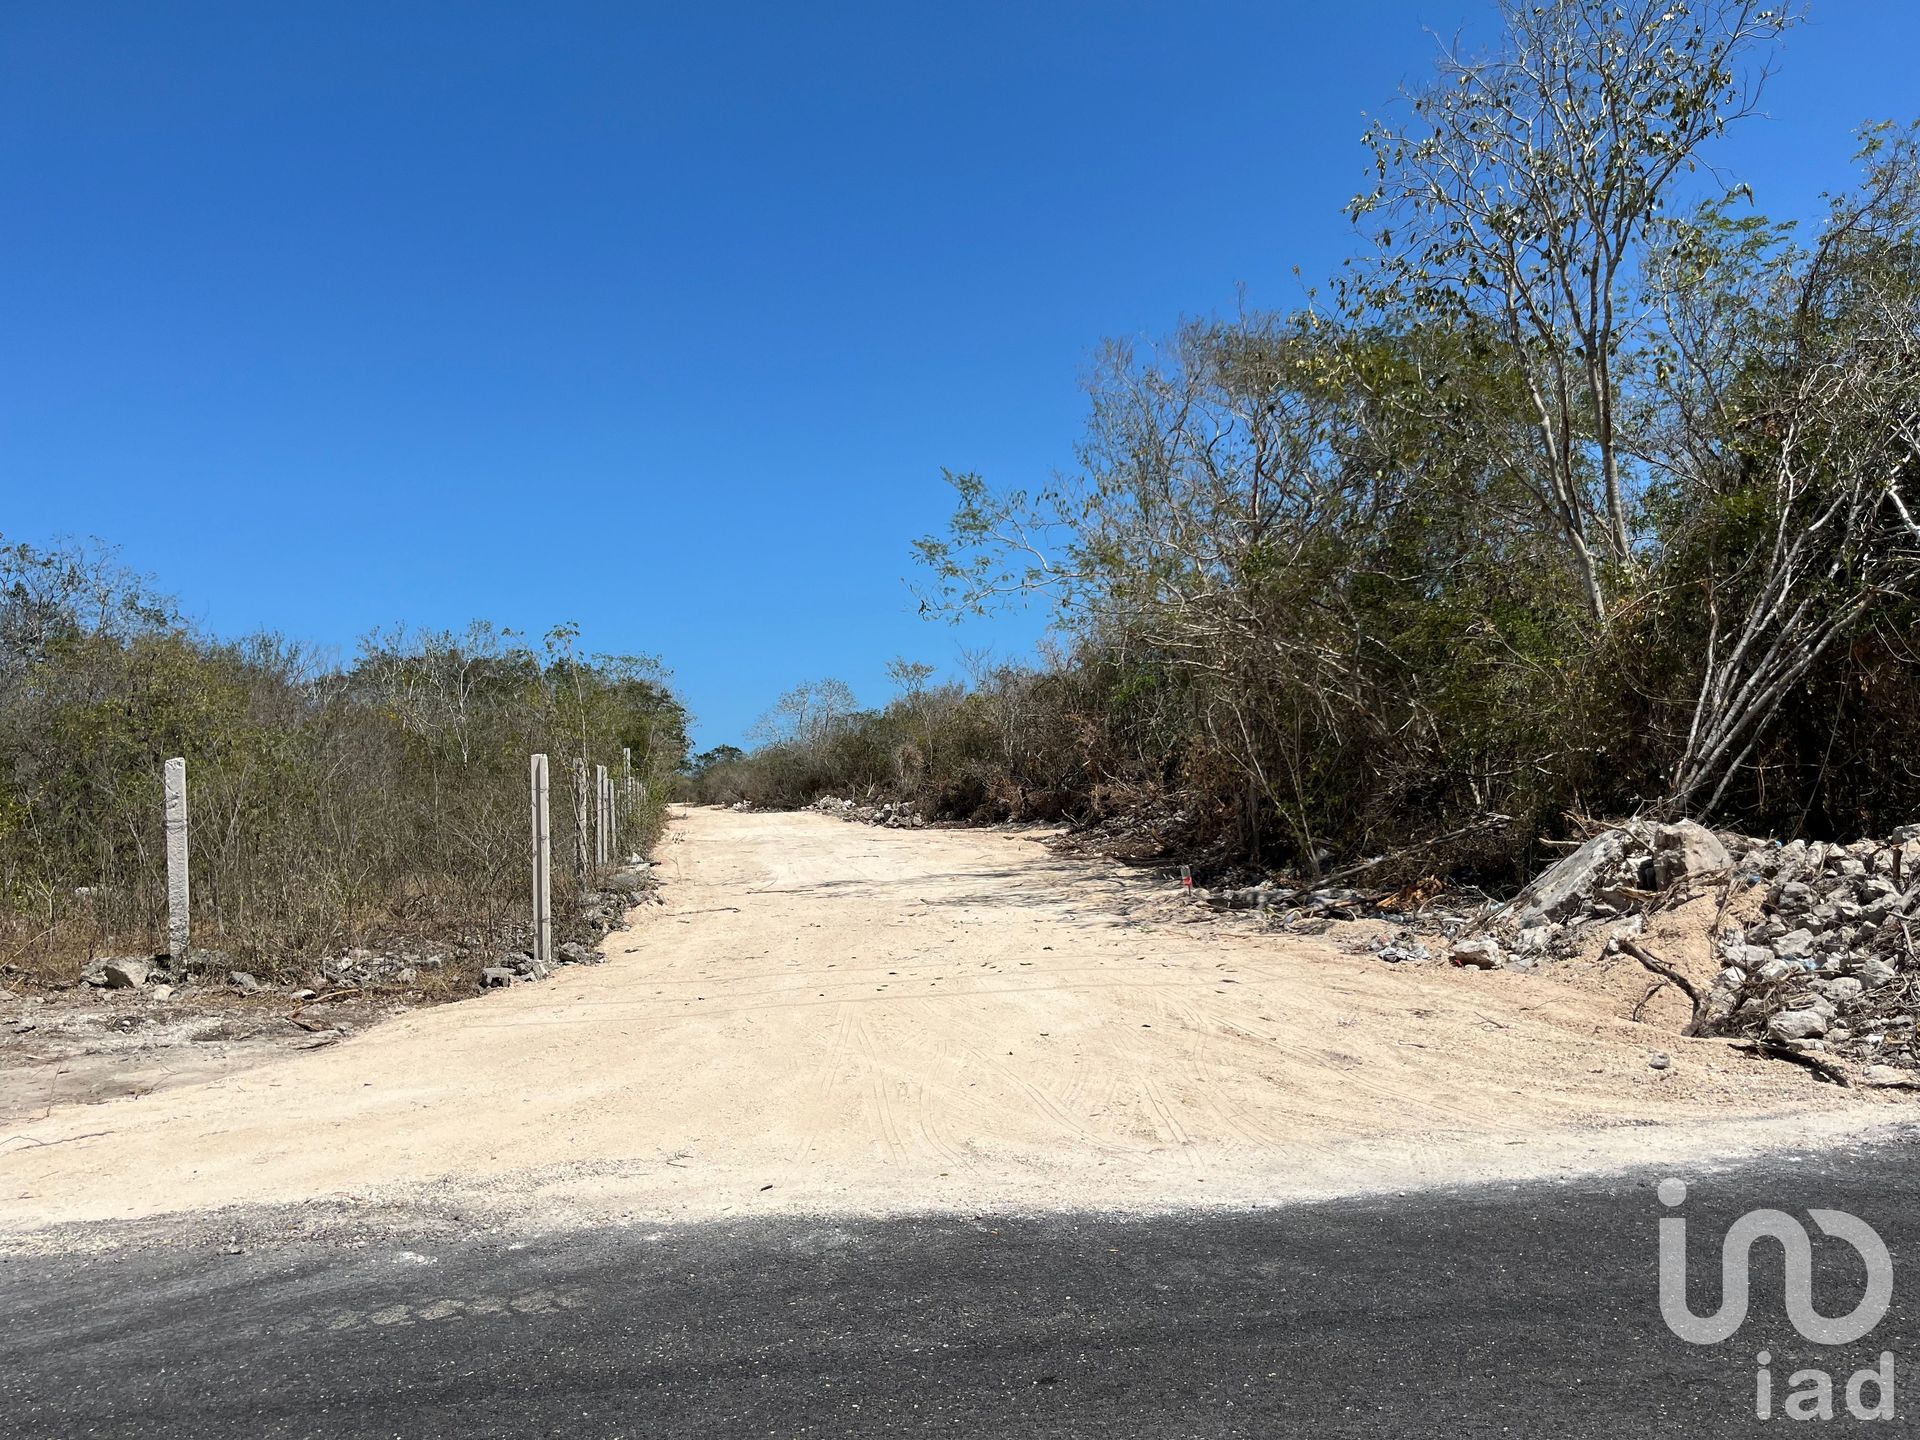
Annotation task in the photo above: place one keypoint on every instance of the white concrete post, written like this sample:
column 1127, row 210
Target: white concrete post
column 178, row 926
column 542, row 866
column 600, row 816
column 613, row 823
column 583, row 844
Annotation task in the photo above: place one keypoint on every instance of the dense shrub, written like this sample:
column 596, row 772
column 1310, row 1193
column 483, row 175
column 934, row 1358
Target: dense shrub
column 331, row 805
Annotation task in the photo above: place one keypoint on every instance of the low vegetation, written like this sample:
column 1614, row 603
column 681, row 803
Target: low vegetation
column 380, row 801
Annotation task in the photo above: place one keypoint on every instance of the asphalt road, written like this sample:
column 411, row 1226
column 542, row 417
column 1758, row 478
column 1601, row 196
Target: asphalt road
column 1527, row 1311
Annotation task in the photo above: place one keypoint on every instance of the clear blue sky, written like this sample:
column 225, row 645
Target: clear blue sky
column 662, row 318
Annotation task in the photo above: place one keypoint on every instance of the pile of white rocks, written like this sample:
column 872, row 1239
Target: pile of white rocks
column 1829, row 962
column 601, row 911
column 895, row 815
column 1831, row 959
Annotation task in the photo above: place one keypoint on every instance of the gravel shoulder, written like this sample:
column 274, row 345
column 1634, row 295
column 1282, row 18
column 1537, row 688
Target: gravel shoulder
column 835, row 1018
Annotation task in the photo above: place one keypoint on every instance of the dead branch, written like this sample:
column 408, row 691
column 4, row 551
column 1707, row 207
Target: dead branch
column 1491, row 821
column 1666, row 972
column 1772, row 1050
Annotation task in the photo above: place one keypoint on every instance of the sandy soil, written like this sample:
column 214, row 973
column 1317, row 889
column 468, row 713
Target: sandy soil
column 827, row 1016
column 88, row 1045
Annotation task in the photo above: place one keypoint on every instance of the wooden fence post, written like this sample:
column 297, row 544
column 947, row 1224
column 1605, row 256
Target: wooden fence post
column 542, row 866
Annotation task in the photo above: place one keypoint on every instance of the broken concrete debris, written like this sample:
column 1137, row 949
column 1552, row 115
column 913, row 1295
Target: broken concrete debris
column 1618, row 870
column 1797, row 1025
column 1402, row 948
column 1686, row 852
column 115, row 974
column 894, row 815
column 1330, row 902
column 1825, row 960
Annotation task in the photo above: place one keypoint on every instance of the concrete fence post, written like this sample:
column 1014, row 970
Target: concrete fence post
column 179, row 928
column 600, row 816
column 542, row 866
column 583, row 843
column 613, row 822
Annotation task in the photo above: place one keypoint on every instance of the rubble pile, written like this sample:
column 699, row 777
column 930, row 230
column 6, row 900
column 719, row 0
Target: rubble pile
column 601, row 911
column 1332, row 902
column 1831, row 960
column 1616, row 873
column 1824, row 960
column 397, row 965
column 894, row 815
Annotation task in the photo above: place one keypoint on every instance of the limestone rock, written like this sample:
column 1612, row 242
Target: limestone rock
column 1687, row 851
column 1480, row 953
column 1797, row 1025
column 124, row 974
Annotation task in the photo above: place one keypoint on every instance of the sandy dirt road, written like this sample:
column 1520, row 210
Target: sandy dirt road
column 831, row 1017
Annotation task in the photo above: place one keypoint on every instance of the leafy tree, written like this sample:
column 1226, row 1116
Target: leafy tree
column 1520, row 199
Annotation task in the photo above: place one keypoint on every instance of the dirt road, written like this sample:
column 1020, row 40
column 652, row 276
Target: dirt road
column 831, row 1017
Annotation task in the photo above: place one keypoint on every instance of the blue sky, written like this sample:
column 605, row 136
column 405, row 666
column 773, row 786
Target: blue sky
column 663, row 319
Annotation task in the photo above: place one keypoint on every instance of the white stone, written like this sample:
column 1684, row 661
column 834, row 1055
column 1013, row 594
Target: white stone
column 1687, row 851
column 1798, row 1024
column 1794, row 944
column 1480, row 953
column 1841, row 990
column 124, row 974
column 1875, row 972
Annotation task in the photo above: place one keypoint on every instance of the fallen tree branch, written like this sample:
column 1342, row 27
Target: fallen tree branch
column 64, row 1140
column 1770, row 1050
column 1673, row 977
column 1640, row 1009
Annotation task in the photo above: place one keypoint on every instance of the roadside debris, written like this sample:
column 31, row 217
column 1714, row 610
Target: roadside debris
column 1481, row 953
column 894, row 815
column 1618, row 871
column 205, row 998
column 1816, row 941
column 1404, row 947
